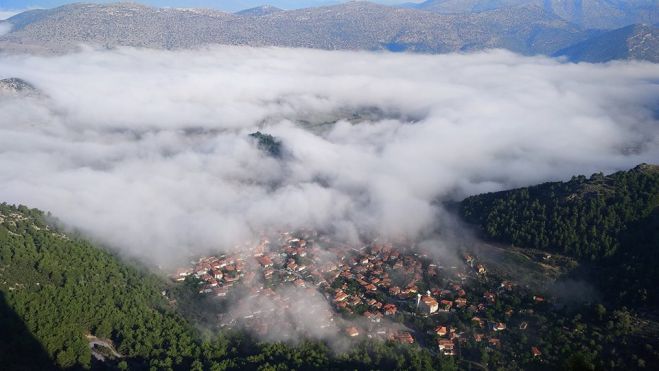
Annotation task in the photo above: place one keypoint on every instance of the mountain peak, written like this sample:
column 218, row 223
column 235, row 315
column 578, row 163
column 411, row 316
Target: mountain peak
column 16, row 86
column 261, row 10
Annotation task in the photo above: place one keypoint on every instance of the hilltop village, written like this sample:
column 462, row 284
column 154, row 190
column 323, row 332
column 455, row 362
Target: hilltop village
column 378, row 290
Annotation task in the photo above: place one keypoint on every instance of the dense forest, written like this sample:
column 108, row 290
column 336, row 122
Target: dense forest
column 267, row 143
column 56, row 289
column 609, row 221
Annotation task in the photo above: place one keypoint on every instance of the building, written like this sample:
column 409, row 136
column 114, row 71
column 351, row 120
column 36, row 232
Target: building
column 390, row 309
column 446, row 347
column 441, row 330
column 352, row 331
column 427, row 304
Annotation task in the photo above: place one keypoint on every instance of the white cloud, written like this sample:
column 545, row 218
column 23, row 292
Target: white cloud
column 8, row 13
column 5, row 28
column 148, row 150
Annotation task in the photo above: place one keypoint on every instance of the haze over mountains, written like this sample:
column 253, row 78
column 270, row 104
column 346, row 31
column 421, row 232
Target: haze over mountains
column 527, row 27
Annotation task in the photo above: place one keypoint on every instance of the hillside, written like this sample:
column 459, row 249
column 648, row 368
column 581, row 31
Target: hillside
column 353, row 25
column 64, row 288
column 70, row 304
column 609, row 222
column 59, row 295
column 584, row 217
column 640, row 42
column 600, row 14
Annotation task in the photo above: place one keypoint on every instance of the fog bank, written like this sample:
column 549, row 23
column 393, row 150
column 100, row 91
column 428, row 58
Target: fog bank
column 148, row 151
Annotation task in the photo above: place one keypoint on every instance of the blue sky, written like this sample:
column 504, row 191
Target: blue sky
column 228, row 5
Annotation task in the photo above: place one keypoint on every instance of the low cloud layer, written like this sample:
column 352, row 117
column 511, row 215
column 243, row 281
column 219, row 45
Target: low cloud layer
column 148, row 151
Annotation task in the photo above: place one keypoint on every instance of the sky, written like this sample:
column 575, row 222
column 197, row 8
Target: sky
column 227, row 5
column 148, row 151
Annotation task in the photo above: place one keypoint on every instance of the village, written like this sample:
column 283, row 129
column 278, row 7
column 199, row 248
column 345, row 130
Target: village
column 379, row 290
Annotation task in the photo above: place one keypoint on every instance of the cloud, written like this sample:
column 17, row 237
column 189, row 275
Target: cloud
column 5, row 28
column 8, row 13
column 148, row 151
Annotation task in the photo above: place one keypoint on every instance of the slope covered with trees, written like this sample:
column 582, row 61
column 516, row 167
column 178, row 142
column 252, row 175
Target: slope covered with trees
column 57, row 289
column 610, row 221
column 584, row 217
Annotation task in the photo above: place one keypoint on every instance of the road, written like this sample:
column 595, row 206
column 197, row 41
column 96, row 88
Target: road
column 94, row 341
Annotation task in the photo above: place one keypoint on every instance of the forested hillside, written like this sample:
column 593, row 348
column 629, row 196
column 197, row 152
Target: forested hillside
column 584, row 218
column 56, row 290
column 608, row 220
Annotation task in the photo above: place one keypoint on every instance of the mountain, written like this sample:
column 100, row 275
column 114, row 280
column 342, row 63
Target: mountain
column 353, row 25
column 259, row 11
column 639, row 42
column 601, row 14
column 16, row 86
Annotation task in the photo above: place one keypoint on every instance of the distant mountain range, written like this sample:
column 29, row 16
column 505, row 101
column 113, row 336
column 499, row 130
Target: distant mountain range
column 526, row 28
column 601, row 14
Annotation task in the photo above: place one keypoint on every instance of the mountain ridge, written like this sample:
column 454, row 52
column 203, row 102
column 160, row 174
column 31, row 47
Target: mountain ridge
column 350, row 26
column 601, row 14
column 639, row 42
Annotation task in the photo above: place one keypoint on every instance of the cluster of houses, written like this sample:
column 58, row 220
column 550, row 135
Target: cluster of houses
column 378, row 283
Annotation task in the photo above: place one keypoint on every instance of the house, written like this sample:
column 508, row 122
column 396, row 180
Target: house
column 441, row 330
column 498, row 326
column 265, row 261
column 205, row 277
column 340, row 296
column 394, row 291
column 404, row 337
column 373, row 317
column 427, row 304
column 390, row 309
column 231, row 278
column 494, row 342
column 217, row 274
column 478, row 337
column 481, row 269
column 536, row 352
column 460, row 302
column 446, row 305
column 477, row 321
column 352, row 331
column 446, row 347
column 181, row 273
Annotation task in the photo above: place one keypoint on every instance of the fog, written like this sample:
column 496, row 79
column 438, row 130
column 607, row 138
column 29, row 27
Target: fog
column 148, row 151
column 5, row 28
